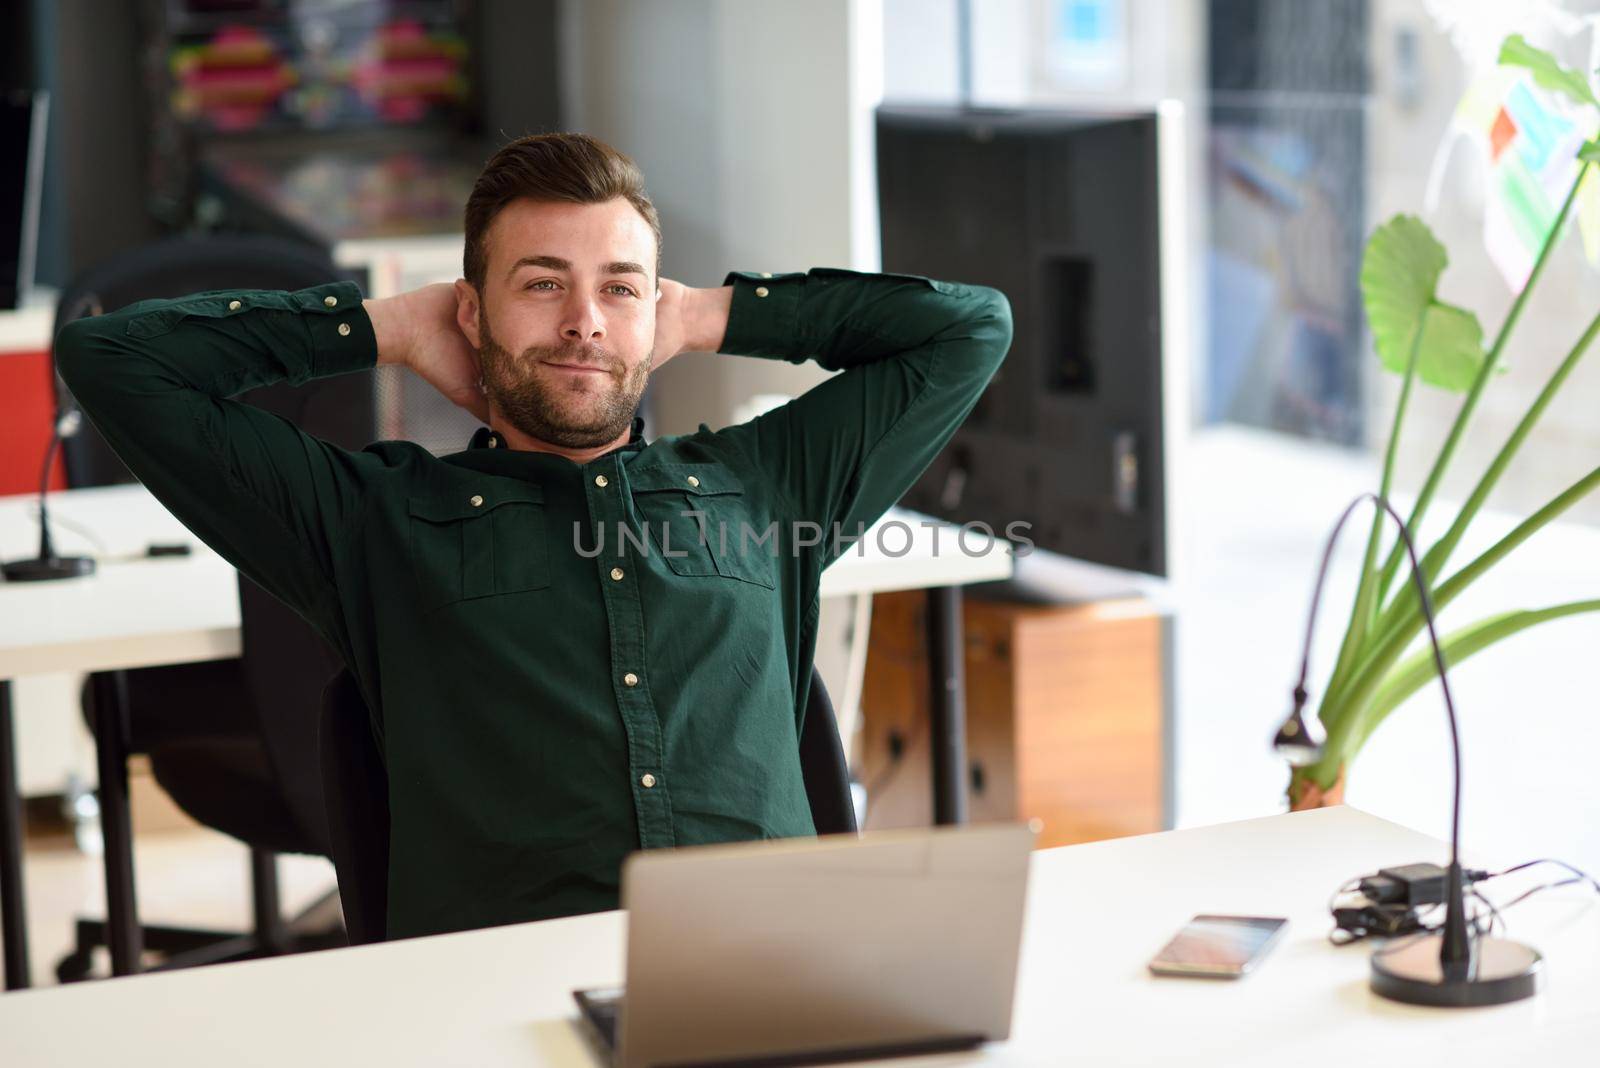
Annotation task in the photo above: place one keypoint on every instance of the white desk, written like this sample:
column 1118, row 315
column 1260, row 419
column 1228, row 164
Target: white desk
column 27, row 329
column 136, row 613
column 174, row 610
column 1096, row 913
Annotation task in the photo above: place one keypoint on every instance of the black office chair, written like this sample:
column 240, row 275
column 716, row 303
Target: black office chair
column 233, row 742
column 356, row 788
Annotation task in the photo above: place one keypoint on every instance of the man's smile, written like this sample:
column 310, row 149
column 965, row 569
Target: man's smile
column 578, row 368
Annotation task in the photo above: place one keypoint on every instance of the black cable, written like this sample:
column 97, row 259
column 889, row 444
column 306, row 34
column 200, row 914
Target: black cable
column 1494, row 913
column 1345, row 889
column 1426, row 601
column 1395, row 920
column 1545, row 886
column 1424, row 929
column 1580, row 873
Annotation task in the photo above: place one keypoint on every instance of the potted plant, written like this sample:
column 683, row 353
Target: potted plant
column 1421, row 337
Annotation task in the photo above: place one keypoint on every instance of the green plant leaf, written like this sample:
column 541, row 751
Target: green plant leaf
column 1475, row 394
column 1452, row 348
column 1590, row 151
column 1417, row 670
column 1403, row 622
column 1400, row 272
column 1515, row 51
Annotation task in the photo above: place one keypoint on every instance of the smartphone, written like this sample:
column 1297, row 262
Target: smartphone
column 1219, row 947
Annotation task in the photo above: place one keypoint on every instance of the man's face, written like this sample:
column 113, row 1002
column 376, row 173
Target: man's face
column 565, row 325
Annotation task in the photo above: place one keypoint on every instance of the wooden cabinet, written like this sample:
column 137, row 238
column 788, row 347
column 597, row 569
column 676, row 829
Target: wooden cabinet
column 1067, row 716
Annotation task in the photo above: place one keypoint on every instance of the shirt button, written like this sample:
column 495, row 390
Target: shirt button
column 600, row 480
column 647, row 780
column 761, row 291
column 330, row 301
column 476, row 501
column 693, row 481
column 630, row 679
column 234, row 305
column 616, row 574
column 344, row 329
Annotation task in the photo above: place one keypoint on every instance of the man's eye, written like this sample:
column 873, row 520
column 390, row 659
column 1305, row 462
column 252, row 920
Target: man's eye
column 625, row 291
column 540, row 282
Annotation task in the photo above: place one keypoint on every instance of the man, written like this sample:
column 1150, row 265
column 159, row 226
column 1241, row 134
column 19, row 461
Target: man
column 578, row 643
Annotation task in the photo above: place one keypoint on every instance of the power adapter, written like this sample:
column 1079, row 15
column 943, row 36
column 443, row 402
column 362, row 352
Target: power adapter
column 1394, row 901
column 1412, row 885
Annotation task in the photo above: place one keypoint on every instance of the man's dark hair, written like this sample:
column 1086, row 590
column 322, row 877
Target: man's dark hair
column 570, row 167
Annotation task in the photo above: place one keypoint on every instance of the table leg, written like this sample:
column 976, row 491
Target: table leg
column 13, row 911
column 948, row 714
column 124, row 937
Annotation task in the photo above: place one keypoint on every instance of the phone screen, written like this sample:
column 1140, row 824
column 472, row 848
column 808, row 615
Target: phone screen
column 1218, row 946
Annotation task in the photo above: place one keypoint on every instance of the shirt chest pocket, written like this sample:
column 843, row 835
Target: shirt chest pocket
column 478, row 544
column 696, row 517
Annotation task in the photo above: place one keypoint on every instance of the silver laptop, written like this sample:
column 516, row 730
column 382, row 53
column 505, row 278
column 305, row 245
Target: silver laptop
column 810, row 950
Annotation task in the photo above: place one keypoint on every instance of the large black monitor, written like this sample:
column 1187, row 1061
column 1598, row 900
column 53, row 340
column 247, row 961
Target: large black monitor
column 22, row 126
column 1076, row 218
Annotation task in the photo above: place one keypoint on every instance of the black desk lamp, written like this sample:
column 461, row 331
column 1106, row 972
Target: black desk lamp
column 1459, row 971
column 47, row 565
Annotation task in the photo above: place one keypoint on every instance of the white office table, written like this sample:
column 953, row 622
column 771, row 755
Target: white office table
column 1095, row 914
column 174, row 610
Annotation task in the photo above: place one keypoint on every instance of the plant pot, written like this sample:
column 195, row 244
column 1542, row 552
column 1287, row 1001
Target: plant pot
column 1305, row 794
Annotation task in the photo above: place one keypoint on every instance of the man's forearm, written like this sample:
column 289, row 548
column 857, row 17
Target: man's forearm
column 392, row 328
column 843, row 319
column 156, row 378
column 708, row 325
column 217, row 343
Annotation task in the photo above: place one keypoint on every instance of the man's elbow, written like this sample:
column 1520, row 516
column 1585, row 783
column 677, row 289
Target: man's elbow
column 993, row 321
column 77, row 347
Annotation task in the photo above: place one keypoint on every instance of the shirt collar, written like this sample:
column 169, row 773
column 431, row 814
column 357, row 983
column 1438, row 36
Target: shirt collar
column 484, row 438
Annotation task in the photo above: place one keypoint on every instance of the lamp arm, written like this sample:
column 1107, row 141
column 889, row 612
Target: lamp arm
column 1455, row 948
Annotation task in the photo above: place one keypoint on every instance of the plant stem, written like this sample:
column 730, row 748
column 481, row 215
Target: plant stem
column 1439, row 554
column 1418, row 670
column 1392, row 641
column 1484, row 373
column 1364, row 614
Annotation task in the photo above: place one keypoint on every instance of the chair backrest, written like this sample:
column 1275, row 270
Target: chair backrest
column 284, row 659
column 176, row 267
column 823, row 764
column 356, row 789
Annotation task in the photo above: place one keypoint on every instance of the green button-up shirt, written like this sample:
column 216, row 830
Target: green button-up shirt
column 565, row 662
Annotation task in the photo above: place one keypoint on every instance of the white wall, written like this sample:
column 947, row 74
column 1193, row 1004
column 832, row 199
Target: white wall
column 748, row 120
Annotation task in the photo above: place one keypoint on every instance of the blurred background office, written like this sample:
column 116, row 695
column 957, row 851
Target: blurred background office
column 1189, row 443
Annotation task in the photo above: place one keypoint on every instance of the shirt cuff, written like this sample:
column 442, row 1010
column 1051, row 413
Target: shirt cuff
column 762, row 318
column 342, row 339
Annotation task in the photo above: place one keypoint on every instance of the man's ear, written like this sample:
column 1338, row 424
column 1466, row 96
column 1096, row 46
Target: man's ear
column 467, row 311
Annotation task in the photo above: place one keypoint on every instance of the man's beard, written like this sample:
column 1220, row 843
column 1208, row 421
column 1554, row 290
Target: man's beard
column 545, row 406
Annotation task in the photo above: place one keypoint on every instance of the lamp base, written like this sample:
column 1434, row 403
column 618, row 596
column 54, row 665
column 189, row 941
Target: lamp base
column 45, row 568
column 1500, row 971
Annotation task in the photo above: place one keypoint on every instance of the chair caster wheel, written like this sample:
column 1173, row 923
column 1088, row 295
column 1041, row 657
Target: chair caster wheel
column 74, row 968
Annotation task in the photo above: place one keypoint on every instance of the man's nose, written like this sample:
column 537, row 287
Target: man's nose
column 582, row 321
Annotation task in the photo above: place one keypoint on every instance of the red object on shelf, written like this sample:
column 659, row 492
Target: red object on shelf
column 27, row 408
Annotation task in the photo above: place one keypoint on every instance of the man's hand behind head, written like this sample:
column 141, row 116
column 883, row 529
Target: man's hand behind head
column 689, row 320
column 419, row 330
